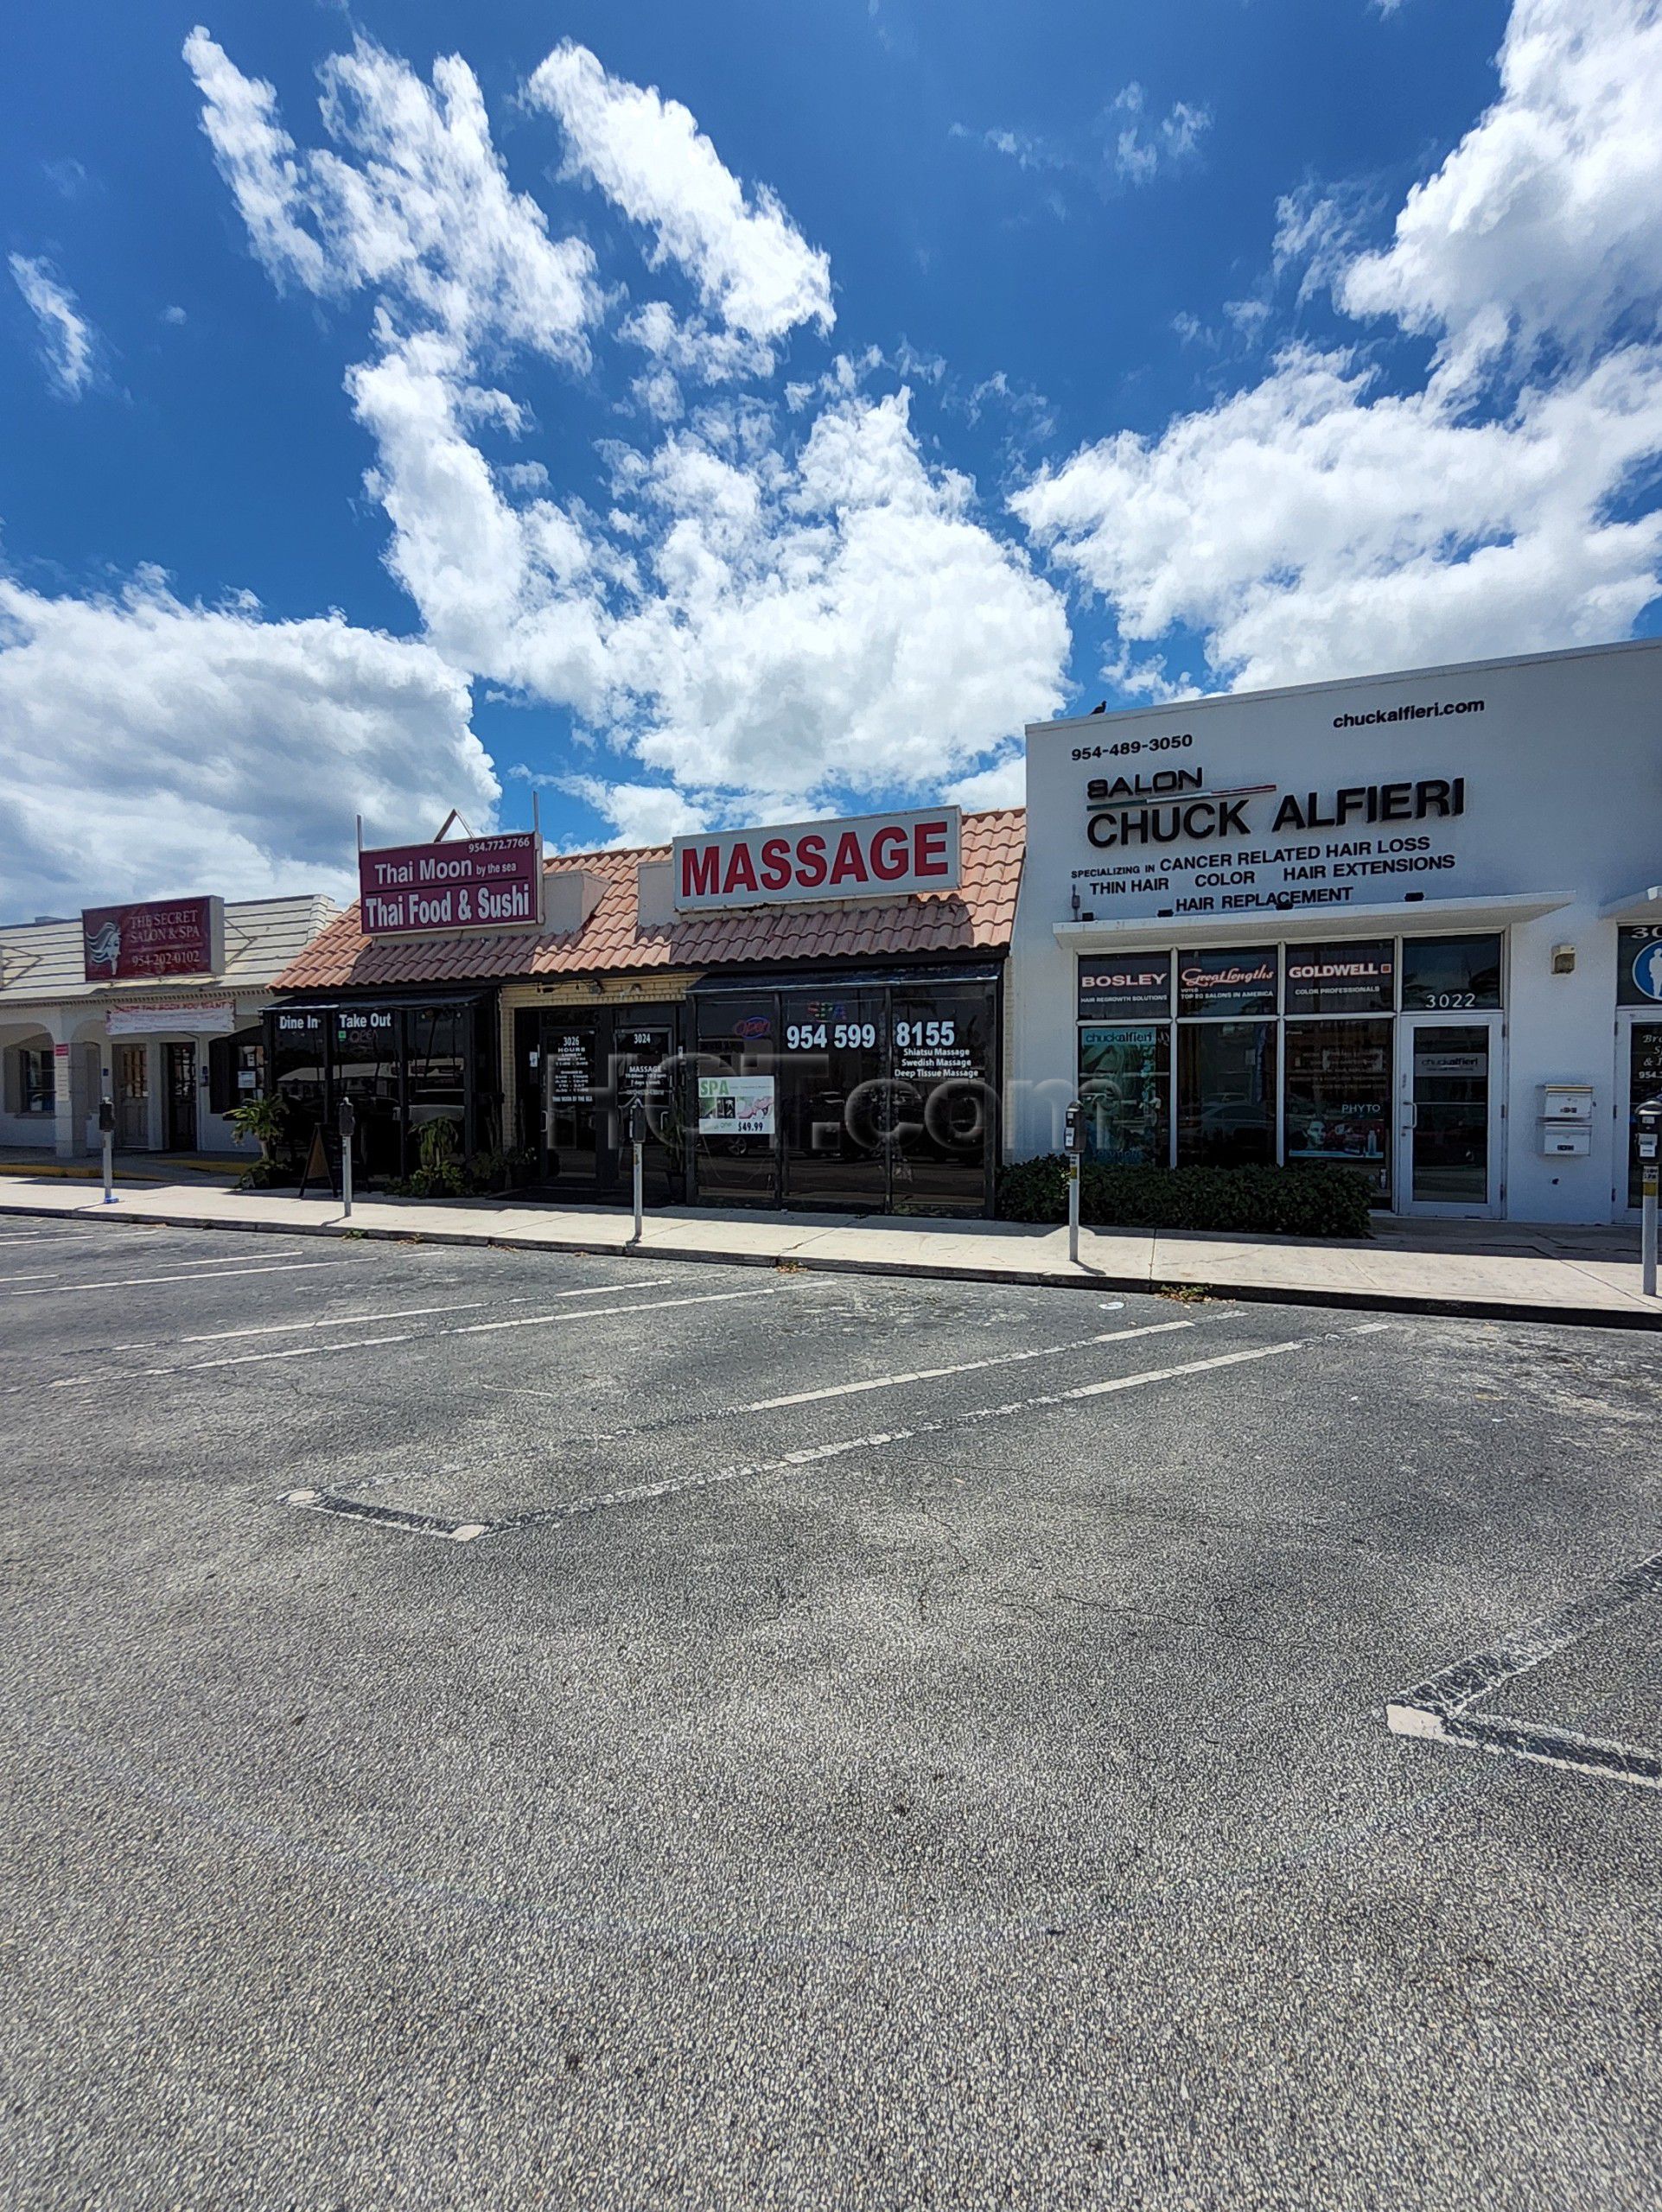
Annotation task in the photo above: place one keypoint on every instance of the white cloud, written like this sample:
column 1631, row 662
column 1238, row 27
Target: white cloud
column 750, row 263
column 1546, row 222
column 1319, row 523
column 640, row 814
column 66, row 335
column 148, row 747
column 258, row 160
column 1313, row 527
column 757, row 614
column 418, row 206
column 1140, row 149
column 1004, row 784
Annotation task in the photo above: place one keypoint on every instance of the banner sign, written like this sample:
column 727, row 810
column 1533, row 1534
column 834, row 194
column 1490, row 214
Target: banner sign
column 476, row 883
column 868, row 856
column 145, row 944
column 173, row 1017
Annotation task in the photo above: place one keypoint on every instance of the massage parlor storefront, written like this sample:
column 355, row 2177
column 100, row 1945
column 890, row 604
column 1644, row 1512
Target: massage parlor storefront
column 812, row 1015
column 1408, row 923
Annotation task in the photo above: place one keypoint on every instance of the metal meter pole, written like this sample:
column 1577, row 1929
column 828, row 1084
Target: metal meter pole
column 1074, row 1145
column 638, row 1141
column 1649, row 1118
column 348, row 1125
column 107, row 1132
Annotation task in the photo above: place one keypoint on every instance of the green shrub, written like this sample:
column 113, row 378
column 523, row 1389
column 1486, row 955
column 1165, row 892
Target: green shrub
column 1261, row 1201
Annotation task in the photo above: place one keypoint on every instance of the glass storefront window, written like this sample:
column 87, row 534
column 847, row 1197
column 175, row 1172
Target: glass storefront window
column 367, row 1048
column 1338, row 1076
column 1226, row 1094
column 1342, row 978
column 36, row 1083
column 1241, row 980
column 736, row 1102
column 1450, row 973
column 297, row 1065
column 837, row 1109
column 941, row 1071
column 1126, row 1090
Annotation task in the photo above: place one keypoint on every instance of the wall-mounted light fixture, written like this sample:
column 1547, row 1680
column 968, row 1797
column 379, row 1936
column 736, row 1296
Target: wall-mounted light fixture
column 1563, row 959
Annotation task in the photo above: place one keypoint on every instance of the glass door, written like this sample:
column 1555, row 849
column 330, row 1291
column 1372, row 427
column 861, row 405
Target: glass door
column 133, row 1098
column 571, row 1076
column 1643, row 1083
column 1450, row 1131
column 182, row 1097
column 642, row 1064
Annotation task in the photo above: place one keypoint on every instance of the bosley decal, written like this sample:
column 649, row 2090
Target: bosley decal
column 872, row 856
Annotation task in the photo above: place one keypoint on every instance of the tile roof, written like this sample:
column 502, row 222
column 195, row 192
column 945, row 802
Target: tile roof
column 976, row 918
column 41, row 961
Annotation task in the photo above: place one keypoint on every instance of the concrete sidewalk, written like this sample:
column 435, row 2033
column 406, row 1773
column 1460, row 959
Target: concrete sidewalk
column 1495, row 1269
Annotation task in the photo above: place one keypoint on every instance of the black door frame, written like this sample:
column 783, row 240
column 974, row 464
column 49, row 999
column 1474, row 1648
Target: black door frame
column 666, row 1163
column 775, row 984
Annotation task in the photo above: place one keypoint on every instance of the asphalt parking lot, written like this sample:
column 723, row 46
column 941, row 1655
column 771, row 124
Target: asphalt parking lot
column 489, row 1729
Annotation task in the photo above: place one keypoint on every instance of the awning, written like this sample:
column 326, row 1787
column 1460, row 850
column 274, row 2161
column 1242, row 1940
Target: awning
column 1402, row 917
column 1637, row 906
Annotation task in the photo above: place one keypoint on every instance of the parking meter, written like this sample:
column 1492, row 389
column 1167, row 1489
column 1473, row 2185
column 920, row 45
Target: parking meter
column 107, row 1136
column 1074, row 1146
column 348, row 1123
column 1647, row 1139
column 638, row 1145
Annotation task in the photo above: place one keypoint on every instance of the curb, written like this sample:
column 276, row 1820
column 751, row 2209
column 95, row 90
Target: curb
column 1367, row 1301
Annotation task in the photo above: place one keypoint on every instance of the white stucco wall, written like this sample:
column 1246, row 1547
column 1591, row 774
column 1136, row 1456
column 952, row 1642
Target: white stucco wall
column 1563, row 797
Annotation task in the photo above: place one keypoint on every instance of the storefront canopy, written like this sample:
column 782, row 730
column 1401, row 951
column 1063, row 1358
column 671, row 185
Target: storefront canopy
column 1401, row 917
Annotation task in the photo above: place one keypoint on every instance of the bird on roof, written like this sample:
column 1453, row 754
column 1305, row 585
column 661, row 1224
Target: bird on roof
column 1101, row 707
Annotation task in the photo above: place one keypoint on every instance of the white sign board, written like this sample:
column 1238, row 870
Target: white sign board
column 866, row 857
column 161, row 1020
column 736, row 1106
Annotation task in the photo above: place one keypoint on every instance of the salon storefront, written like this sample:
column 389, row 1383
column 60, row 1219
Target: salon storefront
column 812, row 1015
column 1403, row 924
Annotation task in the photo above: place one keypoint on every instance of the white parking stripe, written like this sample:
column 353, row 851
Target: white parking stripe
column 644, row 1493
column 407, row 1336
column 340, row 1321
column 808, row 1454
column 966, row 1367
column 653, row 1306
column 134, row 1282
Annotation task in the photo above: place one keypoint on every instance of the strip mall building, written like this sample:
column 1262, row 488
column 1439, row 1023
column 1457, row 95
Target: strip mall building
column 814, row 1015
column 1411, row 923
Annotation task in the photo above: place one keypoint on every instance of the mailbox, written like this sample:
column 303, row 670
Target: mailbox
column 1566, row 1102
column 1566, row 1140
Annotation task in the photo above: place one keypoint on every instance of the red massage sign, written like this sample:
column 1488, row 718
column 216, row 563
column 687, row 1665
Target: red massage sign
column 476, row 883
column 872, row 856
column 142, row 943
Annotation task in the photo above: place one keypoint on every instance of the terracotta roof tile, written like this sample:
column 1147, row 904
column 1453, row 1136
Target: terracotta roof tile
column 976, row 918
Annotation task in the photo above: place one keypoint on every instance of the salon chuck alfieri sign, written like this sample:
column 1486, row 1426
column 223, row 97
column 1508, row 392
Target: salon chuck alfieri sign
column 476, row 883
column 1282, row 803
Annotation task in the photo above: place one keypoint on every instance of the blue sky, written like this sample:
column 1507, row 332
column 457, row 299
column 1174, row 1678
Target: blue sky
column 751, row 411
